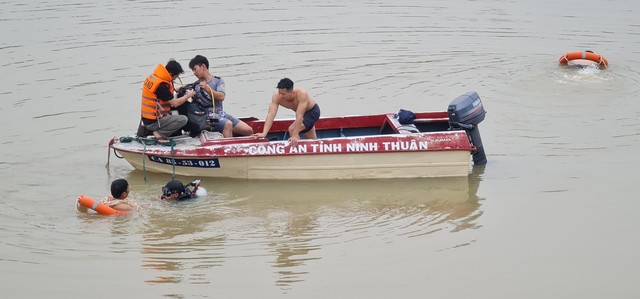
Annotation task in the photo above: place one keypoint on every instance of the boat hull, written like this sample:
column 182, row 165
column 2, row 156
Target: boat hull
column 316, row 167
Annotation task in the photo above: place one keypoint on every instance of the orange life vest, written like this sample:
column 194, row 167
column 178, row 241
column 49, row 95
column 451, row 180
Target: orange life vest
column 152, row 107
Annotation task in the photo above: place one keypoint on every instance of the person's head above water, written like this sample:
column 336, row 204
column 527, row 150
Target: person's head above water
column 172, row 188
column 120, row 189
column 176, row 190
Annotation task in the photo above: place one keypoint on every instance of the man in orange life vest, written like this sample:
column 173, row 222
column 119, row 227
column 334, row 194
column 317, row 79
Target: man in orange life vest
column 157, row 99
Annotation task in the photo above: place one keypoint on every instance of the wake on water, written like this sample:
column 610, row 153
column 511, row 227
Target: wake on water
column 590, row 73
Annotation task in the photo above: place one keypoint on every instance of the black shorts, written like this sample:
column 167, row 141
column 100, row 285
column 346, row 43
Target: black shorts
column 310, row 118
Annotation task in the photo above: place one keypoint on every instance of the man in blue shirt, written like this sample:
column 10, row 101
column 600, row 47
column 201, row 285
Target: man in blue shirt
column 212, row 90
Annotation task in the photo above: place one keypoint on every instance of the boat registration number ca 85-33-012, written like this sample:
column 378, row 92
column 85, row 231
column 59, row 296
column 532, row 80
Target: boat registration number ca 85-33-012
column 205, row 163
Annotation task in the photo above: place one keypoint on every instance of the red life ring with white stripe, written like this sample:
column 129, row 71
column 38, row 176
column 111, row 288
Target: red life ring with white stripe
column 597, row 58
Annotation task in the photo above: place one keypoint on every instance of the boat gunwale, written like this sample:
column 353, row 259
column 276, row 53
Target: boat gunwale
column 207, row 151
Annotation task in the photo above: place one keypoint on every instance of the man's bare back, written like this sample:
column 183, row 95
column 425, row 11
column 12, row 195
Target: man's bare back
column 291, row 99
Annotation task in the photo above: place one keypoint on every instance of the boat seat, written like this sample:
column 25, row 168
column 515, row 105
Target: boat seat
column 431, row 120
column 408, row 129
column 206, row 136
column 397, row 127
column 212, row 135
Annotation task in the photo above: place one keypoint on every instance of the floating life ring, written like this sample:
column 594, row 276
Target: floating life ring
column 98, row 207
column 596, row 58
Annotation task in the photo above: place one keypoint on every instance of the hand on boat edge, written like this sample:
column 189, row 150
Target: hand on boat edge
column 293, row 141
column 259, row 135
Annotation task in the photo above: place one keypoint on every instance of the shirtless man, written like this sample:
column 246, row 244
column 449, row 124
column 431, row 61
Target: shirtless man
column 298, row 100
column 119, row 197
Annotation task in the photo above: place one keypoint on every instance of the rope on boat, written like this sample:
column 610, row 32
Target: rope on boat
column 116, row 154
column 173, row 162
column 144, row 167
column 109, row 152
column 145, row 142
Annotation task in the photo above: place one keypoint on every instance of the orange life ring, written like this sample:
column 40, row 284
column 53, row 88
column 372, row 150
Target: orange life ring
column 98, row 207
column 597, row 58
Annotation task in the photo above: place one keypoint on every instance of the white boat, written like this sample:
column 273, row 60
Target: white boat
column 436, row 144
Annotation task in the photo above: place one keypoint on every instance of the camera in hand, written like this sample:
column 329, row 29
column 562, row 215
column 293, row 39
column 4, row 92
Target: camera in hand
column 183, row 90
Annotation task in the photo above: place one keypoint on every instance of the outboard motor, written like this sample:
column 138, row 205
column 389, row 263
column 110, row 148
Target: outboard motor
column 466, row 112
